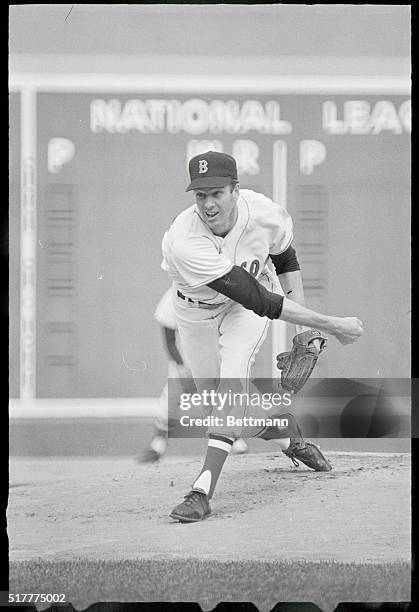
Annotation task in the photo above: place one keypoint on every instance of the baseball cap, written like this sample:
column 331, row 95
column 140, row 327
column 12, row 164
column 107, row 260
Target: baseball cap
column 211, row 169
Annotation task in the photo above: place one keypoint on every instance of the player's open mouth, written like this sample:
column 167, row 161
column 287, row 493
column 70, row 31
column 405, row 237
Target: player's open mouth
column 211, row 215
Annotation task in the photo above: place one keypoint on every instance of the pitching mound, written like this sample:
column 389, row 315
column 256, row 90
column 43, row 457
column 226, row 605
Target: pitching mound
column 98, row 530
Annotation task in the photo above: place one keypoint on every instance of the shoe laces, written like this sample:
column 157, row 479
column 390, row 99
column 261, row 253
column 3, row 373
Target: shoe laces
column 193, row 496
column 294, row 445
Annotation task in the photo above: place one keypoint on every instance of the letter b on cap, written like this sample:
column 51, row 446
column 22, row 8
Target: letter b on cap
column 203, row 166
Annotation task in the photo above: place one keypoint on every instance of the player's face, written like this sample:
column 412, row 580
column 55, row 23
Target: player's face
column 218, row 207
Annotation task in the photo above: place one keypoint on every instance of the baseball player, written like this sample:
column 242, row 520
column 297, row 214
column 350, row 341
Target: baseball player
column 181, row 381
column 217, row 253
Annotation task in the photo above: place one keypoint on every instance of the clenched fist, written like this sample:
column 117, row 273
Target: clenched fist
column 348, row 330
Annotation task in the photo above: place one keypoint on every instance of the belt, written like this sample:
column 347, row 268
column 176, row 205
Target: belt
column 197, row 303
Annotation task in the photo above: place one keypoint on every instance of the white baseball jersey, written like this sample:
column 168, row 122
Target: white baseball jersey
column 165, row 312
column 165, row 315
column 193, row 256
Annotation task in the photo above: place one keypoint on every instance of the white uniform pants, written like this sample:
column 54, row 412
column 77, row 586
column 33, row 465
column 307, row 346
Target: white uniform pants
column 220, row 346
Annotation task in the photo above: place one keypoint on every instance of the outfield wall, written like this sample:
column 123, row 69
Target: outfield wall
column 99, row 147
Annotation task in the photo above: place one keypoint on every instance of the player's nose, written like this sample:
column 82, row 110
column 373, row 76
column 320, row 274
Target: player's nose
column 209, row 204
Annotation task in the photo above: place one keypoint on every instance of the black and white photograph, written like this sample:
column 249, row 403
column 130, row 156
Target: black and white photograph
column 210, row 306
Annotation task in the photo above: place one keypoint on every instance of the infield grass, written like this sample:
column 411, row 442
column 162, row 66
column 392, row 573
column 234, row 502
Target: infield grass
column 207, row 582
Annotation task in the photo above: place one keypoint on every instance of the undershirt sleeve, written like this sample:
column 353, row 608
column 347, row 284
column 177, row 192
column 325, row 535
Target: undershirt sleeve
column 243, row 288
column 286, row 261
column 169, row 336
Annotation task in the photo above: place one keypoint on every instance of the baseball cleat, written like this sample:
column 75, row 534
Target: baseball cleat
column 239, row 447
column 303, row 450
column 148, row 456
column 195, row 508
column 155, row 451
column 309, row 454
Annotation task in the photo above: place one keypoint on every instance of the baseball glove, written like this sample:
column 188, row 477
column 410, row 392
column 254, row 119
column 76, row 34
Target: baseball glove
column 297, row 365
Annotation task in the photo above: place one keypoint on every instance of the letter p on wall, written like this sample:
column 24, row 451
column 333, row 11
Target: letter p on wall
column 60, row 152
column 312, row 153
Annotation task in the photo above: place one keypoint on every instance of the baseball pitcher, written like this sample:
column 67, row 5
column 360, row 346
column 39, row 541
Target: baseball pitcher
column 217, row 253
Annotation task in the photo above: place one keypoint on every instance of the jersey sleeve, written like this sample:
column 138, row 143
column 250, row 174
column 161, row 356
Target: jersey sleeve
column 198, row 261
column 282, row 234
column 165, row 313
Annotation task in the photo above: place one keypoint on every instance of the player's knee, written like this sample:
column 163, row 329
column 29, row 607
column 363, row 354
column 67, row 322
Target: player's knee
column 227, row 431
